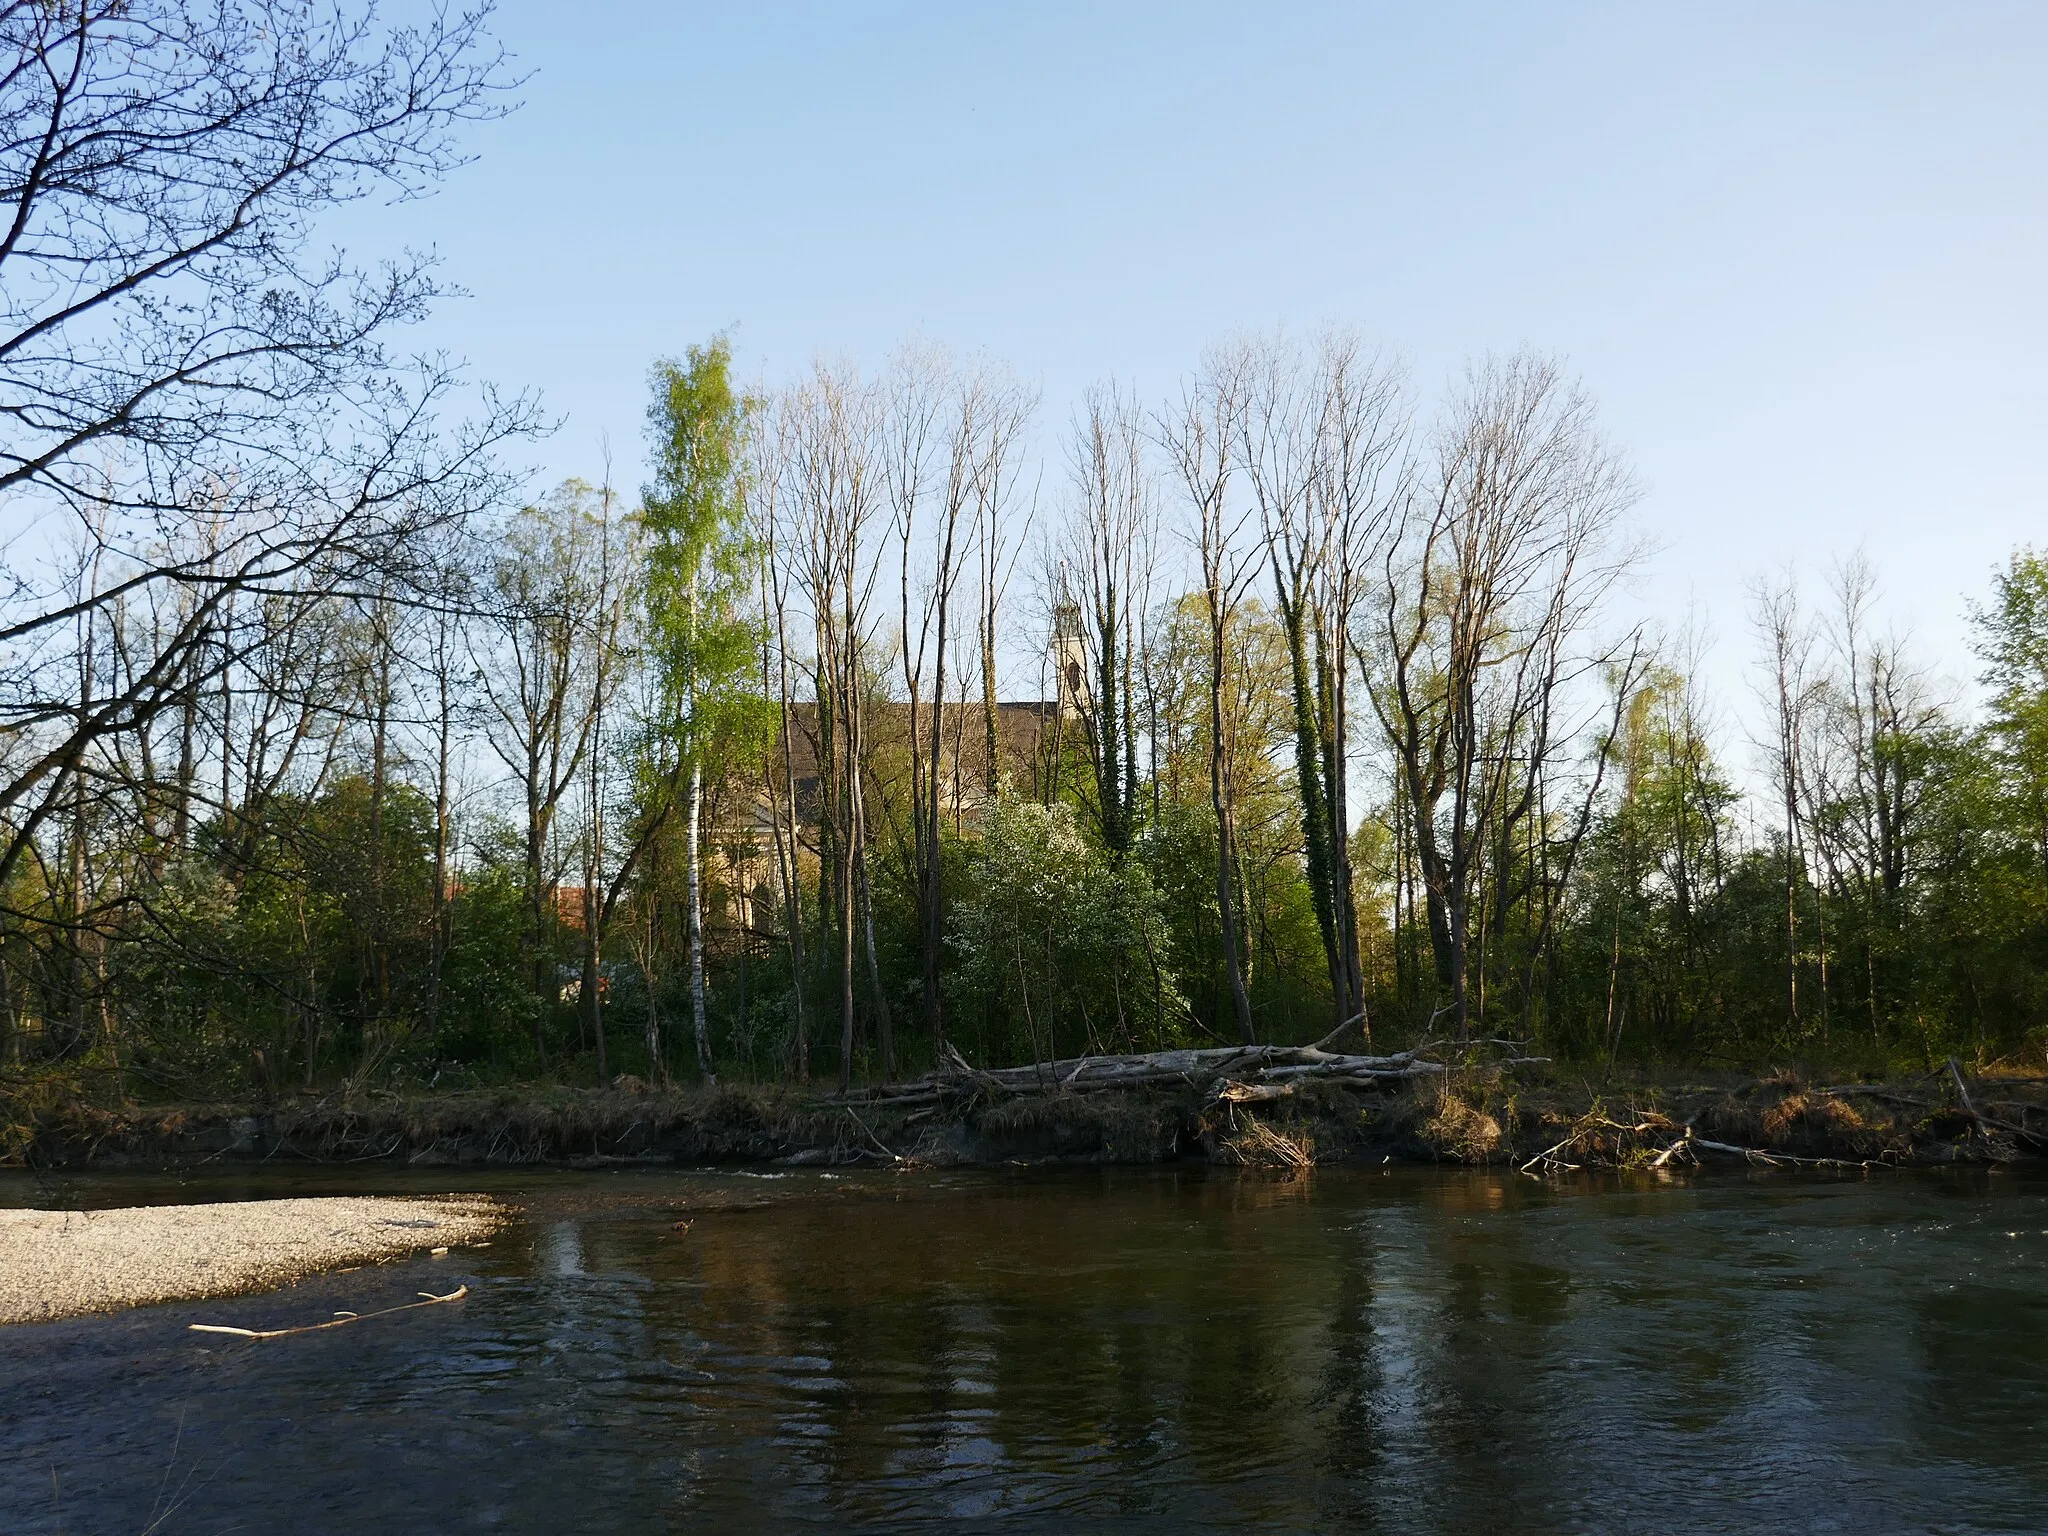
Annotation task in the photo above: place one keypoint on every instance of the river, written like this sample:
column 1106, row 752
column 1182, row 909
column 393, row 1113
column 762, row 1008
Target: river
column 1170, row 1349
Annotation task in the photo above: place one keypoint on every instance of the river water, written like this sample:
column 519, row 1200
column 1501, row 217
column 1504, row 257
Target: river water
column 1177, row 1349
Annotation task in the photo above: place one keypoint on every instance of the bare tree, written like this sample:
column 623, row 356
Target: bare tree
column 1201, row 436
column 606, row 868
column 1496, row 569
column 768, row 511
column 916, row 424
column 952, row 436
column 446, row 711
column 1786, row 636
column 1321, row 444
column 175, row 351
column 1001, row 530
column 1111, row 522
column 541, row 672
column 836, row 483
column 1872, row 737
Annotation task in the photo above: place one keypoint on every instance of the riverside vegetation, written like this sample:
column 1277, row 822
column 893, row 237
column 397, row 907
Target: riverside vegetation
column 355, row 802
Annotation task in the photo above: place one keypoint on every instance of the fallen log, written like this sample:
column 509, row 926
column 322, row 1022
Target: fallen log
column 1863, row 1090
column 1350, row 1069
column 1233, row 1091
column 1208, row 1061
column 1224, row 1071
column 1985, row 1124
column 1190, row 1064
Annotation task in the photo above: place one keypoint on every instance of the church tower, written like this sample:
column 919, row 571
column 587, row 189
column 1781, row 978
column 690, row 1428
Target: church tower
column 1069, row 658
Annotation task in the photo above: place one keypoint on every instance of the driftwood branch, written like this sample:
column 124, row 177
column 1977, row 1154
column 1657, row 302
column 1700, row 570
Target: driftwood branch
column 1773, row 1159
column 429, row 1299
column 1549, row 1153
column 1662, row 1159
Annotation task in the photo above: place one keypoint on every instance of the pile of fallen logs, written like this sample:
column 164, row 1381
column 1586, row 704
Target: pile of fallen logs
column 1238, row 1074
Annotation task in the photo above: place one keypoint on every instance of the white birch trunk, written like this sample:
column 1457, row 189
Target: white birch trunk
column 697, row 926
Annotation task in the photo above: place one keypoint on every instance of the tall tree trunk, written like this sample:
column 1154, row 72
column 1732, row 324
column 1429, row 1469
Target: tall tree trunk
column 592, row 987
column 845, row 916
column 992, row 770
column 1226, row 842
column 537, row 896
column 437, row 958
column 862, row 906
column 10, row 1029
column 1336, row 764
column 884, row 1021
column 788, row 869
column 376, row 1019
column 648, row 940
column 1319, row 856
column 696, row 897
column 188, row 729
column 930, row 870
column 931, row 936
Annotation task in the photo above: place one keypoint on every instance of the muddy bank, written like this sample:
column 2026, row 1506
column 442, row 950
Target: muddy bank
column 70, row 1263
column 1544, row 1120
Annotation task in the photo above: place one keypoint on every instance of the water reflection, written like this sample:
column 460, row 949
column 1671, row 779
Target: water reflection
column 1400, row 1352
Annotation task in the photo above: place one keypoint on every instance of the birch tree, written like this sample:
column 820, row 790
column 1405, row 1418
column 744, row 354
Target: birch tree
column 701, row 611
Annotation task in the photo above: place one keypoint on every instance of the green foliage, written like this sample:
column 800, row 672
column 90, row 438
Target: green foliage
column 1286, row 976
column 487, row 1004
column 298, row 942
column 1057, row 948
column 703, row 629
column 2012, row 638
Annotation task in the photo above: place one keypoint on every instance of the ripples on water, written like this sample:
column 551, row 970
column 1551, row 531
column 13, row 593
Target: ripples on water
column 1175, row 1350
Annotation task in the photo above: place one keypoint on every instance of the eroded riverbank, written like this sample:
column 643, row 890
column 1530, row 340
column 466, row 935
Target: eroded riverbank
column 1473, row 1116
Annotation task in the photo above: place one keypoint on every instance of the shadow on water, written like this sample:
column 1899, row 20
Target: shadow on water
column 1126, row 1350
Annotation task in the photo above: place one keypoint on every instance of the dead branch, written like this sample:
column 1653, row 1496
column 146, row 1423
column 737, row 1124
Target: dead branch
column 1984, row 1122
column 1664, row 1157
column 341, row 1320
column 1774, row 1159
column 1549, row 1154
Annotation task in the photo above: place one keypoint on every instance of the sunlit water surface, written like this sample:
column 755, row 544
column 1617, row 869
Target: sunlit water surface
column 1134, row 1350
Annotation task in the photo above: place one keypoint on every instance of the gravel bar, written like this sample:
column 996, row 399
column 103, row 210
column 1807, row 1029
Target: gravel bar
column 68, row 1263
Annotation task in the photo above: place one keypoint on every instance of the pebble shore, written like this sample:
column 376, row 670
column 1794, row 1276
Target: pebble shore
column 56, row 1264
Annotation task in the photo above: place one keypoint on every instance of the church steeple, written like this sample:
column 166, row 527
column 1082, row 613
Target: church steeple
column 1069, row 657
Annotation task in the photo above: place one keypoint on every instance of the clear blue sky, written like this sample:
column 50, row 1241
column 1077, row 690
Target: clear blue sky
column 1798, row 252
